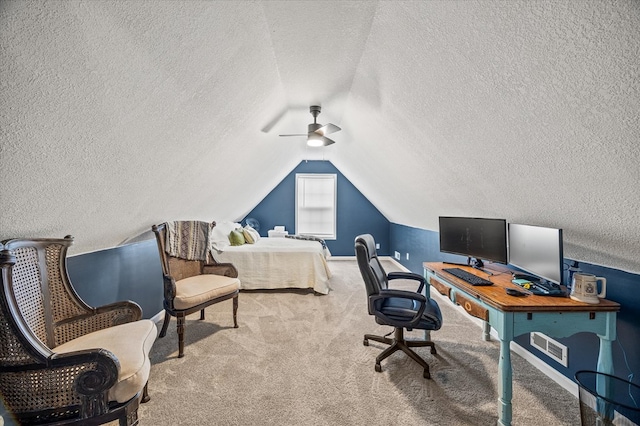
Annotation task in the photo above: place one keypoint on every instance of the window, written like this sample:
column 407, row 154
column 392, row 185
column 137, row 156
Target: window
column 316, row 205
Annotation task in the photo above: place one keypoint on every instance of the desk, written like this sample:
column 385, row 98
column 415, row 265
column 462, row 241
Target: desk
column 512, row 316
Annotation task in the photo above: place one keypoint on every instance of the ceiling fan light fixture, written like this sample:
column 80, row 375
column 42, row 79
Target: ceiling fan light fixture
column 316, row 131
column 315, row 140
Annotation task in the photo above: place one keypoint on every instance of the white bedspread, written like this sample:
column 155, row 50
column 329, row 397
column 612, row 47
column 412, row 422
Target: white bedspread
column 273, row 263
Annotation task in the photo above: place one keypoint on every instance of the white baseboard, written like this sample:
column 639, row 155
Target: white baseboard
column 380, row 257
column 157, row 318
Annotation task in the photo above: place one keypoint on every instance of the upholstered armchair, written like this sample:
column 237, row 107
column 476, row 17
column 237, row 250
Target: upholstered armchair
column 62, row 361
column 192, row 280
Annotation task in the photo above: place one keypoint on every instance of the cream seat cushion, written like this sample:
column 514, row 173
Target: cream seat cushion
column 130, row 343
column 198, row 289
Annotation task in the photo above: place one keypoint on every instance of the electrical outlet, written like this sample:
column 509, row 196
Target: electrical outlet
column 407, row 256
column 397, row 255
column 377, row 246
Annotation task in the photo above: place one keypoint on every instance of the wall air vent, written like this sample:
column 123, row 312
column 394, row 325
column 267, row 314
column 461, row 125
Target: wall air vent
column 550, row 347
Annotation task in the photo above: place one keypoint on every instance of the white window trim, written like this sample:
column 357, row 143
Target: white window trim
column 334, row 177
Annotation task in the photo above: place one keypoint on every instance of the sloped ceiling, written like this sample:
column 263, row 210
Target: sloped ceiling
column 117, row 115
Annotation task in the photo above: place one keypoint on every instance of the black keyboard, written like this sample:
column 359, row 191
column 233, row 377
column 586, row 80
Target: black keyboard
column 467, row 276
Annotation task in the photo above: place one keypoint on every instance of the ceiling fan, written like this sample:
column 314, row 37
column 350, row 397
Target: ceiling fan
column 317, row 132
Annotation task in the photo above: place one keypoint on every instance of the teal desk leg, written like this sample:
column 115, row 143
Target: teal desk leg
column 605, row 365
column 605, row 355
column 486, row 331
column 505, row 378
column 504, row 325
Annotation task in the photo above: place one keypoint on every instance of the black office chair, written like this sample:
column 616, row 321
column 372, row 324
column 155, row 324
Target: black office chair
column 398, row 308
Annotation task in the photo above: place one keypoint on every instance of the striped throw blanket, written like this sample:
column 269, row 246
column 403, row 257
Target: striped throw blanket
column 307, row 238
column 188, row 239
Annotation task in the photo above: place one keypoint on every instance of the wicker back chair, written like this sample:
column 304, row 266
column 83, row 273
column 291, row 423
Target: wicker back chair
column 192, row 285
column 50, row 370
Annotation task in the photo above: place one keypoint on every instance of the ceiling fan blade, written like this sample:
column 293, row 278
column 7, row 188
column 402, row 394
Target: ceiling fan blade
column 327, row 141
column 297, row 134
column 327, row 129
column 267, row 128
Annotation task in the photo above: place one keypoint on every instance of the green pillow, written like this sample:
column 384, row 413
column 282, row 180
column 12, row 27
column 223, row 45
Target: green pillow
column 236, row 237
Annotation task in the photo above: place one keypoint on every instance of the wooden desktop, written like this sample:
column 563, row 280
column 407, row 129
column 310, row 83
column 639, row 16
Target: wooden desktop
column 513, row 316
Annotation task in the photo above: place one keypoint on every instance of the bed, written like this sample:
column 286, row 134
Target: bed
column 273, row 263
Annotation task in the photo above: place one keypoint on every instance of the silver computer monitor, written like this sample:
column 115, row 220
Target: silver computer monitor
column 537, row 250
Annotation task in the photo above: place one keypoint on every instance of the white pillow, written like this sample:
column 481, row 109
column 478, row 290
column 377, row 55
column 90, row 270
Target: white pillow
column 219, row 234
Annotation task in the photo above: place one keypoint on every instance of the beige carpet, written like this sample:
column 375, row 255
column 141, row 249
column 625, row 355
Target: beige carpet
column 298, row 359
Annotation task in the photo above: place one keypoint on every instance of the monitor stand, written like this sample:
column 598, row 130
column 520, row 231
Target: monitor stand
column 478, row 264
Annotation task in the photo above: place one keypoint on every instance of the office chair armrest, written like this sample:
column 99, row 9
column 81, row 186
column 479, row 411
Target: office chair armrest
column 398, row 294
column 408, row 276
column 402, row 294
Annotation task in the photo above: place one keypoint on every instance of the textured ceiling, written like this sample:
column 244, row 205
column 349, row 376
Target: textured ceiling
column 117, row 115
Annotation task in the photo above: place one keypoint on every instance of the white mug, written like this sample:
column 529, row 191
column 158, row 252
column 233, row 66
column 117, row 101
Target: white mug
column 584, row 288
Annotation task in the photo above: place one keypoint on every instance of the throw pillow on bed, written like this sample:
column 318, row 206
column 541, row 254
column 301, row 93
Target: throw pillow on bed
column 219, row 234
column 253, row 232
column 248, row 238
column 236, row 237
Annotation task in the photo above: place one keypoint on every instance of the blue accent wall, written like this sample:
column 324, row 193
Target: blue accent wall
column 622, row 287
column 355, row 214
column 128, row 272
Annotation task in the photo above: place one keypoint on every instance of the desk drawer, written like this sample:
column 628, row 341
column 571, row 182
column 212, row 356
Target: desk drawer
column 472, row 307
column 442, row 289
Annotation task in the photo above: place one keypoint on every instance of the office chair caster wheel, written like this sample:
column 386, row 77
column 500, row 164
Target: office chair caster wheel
column 378, row 368
column 426, row 374
column 365, row 342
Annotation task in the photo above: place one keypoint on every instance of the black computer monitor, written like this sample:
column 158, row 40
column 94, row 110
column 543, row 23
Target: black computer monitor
column 477, row 238
column 537, row 250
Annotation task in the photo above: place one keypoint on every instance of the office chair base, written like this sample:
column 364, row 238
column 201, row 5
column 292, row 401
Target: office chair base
column 398, row 343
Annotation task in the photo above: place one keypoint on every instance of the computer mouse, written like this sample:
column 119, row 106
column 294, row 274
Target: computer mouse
column 515, row 292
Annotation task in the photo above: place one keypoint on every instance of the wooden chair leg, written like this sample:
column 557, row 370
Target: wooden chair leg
column 235, row 312
column 181, row 321
column 165, row 325
column 129, row 416
column 145, row 393
column 126, row 421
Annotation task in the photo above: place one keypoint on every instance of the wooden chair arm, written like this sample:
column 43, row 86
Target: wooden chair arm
column 103, row 361
column 76, row 378
column 98, row 319
column 169, row 289
column 226, row 269
column 122, row 312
